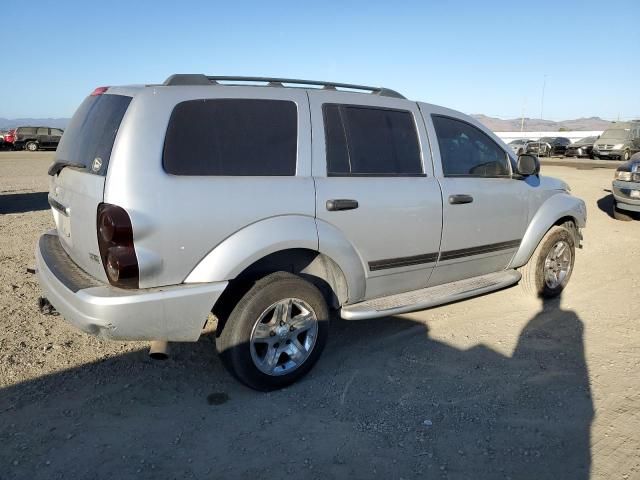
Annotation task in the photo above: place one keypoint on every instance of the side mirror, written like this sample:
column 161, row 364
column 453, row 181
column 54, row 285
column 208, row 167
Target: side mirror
column 527, row 165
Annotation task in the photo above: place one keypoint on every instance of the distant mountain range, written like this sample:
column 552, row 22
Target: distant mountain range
column 539, row 125
column 495, row 124
column 7, row 123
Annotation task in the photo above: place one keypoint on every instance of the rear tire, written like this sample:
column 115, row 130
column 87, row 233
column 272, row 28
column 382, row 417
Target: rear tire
column 276, row 332
column 625, row 156
column 31, row 146
column 620, row 214
column 551, row 265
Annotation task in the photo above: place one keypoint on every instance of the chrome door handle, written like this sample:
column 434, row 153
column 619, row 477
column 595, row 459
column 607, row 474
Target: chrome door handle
column 341, row 204
column 460, row 199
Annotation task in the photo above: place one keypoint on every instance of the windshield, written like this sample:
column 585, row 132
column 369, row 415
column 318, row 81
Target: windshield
column 586, row 140
column 517, row 142
column 92, row 131
column 615, row 134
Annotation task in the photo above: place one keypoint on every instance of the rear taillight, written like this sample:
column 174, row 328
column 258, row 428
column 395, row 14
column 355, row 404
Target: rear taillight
column 115, row 240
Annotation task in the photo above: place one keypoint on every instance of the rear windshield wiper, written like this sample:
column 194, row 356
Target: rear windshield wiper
column 60, row 164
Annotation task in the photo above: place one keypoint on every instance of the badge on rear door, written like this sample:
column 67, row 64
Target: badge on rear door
column 96, row 165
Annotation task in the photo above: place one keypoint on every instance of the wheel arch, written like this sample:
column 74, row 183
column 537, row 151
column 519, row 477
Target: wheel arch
column 285, row 243
column 556, row 210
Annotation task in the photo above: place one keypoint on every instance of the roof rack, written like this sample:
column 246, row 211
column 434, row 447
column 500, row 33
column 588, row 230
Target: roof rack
column 199, row 79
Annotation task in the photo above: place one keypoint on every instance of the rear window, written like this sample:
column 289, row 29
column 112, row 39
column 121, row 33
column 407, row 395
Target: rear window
column 370, row 141
column 92, row 131
column 235, row 137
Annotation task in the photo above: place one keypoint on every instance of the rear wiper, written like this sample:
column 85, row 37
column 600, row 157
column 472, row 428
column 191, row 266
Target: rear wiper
column 60, row 164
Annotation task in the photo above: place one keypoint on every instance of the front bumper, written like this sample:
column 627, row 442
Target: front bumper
column 613, row 154
column 174, row 313
column 577, row 152
column 622, row 192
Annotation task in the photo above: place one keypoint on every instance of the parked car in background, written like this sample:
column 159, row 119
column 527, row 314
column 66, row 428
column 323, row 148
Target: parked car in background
column 519, row 146
column 619, row 142
column 9, row 138
column 548, row 146
column 35, row 138
column 626, row 189
column 581, row 148
column 405, row 206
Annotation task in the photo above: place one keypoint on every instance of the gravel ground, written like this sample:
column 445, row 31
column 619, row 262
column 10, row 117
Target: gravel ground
column 500, row 386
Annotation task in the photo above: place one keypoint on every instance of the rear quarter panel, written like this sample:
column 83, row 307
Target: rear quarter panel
column 178, row 220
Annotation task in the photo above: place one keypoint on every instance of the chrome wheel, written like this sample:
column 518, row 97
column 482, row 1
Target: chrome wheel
column 284, row 336
column 557, row 264
column 32, row 147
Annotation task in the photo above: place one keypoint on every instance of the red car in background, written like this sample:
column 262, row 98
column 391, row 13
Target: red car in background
column 9, row 138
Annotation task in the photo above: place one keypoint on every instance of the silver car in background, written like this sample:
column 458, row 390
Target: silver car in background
column 274, row 202
column 519, row 145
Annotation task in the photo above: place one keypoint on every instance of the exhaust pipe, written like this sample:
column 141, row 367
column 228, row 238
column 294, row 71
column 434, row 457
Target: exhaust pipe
column 159, row 350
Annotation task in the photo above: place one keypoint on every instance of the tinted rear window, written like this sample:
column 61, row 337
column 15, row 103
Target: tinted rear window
column 370, row 141
column 92, row 131
column 238, row 137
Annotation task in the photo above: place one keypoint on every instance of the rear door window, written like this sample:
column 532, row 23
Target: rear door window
column 370, row 141
column 42, row 131
column 92, row 131
column 234, row 137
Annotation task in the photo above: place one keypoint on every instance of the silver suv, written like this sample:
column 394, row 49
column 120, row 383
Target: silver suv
column 273, row 202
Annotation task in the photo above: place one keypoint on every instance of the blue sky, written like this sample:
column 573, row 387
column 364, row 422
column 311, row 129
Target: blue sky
column 474, row 56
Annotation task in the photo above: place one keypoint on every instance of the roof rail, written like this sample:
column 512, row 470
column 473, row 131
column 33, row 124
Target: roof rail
column 199, row 79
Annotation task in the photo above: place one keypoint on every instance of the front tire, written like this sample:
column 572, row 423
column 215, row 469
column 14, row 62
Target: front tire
column 31, row 146
column 620, row 214
column 276, row 332
column 551, row 265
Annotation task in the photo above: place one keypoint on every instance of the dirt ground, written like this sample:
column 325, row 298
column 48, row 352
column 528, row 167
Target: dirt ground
column 500, row 386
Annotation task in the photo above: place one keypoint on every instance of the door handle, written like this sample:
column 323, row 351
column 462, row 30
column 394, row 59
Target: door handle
column 341, row 204
column 460, row 199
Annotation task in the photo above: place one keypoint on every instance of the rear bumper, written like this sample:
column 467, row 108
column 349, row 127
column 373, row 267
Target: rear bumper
column 175, row 313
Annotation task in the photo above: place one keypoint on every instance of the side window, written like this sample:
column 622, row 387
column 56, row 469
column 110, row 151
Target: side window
column 238, row 137
column 468, row 152
column 26, row 131
column 42, row 131
column 371, row 141
column 56, row 132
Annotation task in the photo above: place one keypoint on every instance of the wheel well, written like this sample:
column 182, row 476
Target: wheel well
column 311, row 265
column 573, row 228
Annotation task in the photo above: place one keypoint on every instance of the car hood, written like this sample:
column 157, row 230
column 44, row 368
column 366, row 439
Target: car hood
column 552, row 183
column 610, row 141
column 632, row 165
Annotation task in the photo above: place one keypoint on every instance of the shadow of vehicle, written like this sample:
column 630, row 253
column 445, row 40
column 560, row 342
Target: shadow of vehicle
column 23, row 202
column 606, row 204
column 385, row 401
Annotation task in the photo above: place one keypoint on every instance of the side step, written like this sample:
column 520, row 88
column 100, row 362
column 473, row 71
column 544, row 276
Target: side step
column 429, row 297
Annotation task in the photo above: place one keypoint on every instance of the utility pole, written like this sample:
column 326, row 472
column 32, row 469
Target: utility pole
column 544, row 84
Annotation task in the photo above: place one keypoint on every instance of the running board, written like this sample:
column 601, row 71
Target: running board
column 430, row 297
